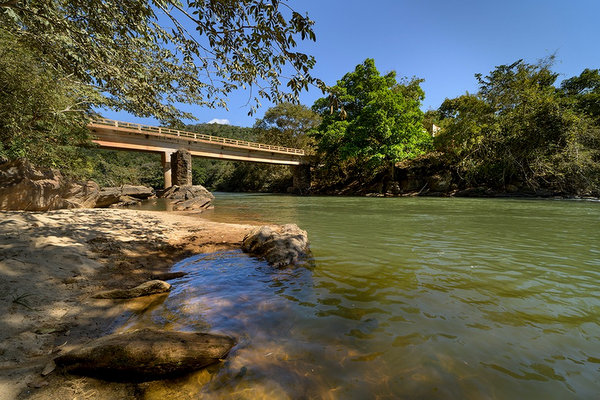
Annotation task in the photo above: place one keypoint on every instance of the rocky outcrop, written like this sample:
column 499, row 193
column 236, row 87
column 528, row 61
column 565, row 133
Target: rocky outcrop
column 280, row 246
column 123, row 195
column 29, row 188
column 193, row 197
column 146, row 354
column 145, row 289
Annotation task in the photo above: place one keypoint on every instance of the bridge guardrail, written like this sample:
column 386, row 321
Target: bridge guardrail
column 192, row 135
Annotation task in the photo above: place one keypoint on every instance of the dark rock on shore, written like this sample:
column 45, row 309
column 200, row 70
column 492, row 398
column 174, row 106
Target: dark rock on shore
column 145, row 289
column 29, row 188
column 279, row 246
column 146, row 354
column 192, row 197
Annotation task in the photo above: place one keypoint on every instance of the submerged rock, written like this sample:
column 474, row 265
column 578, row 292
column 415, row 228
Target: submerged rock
column 26, row 187
column 145, row 289
column 146, row 354
column 279, row 246
column 167, row 276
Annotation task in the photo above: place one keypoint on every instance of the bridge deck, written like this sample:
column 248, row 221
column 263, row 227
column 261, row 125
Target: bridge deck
column 157, row 131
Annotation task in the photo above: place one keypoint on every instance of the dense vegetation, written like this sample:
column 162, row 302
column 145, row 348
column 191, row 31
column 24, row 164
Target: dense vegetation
column 521, row 130
column 369, row 122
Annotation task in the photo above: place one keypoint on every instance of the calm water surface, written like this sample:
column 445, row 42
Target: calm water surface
column 411, row 298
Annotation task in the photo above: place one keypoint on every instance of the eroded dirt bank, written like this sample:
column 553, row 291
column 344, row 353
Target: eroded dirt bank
column 50, row 265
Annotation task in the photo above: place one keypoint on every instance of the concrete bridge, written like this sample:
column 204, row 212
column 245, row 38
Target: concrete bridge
column 175, row 146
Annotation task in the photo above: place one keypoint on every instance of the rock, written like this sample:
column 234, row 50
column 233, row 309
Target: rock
column 146, row 354
column 166, row 276
column 193, row 197
column 125, row 201
column 138, row 192
column 145, row 289
column 279, row 246
column 123, row 195
column 440, row 182
column 38, row 383
column 185, row 192
column 28, row 188
column 394, row 188
column 48, row 368
column 200, row 203
column 108, row 196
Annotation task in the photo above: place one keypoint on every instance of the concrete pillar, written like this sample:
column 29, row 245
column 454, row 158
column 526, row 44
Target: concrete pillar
column 301, row 174
column 165, row 158
column 181, row 162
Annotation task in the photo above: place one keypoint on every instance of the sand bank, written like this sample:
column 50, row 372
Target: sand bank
column 50, row 265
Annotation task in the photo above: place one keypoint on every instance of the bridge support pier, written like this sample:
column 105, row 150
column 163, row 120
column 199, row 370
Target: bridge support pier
column 301, row 175
column 165, row 158
column 181, row 162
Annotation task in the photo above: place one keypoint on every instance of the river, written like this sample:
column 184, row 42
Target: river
column 412, row 298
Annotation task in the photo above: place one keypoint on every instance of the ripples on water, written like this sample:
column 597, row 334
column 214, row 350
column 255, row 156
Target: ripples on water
column 410, row 298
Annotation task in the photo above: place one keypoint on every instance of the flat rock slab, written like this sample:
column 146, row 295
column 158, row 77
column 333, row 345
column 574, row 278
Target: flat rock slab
column 280, row 246
column 145, row 289
column 146, row 354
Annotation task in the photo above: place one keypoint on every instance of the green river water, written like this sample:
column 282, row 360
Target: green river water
column 410, row 298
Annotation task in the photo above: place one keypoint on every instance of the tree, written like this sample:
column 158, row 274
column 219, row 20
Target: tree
column 584, row 92
column 42, row 112
column 144, row 56
column 519, row 129
column 287, row 124
column 371, row 119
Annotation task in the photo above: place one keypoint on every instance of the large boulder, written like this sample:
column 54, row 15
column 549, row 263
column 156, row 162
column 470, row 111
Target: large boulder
column 146, row 354
column 145, row 289
column 29, row 188
column 193, row 197
column 280, row 246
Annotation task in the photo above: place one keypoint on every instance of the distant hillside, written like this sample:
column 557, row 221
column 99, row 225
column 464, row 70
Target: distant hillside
column 228, row 131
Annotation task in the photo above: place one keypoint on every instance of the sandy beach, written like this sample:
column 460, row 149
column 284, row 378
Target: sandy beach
column 50, row 265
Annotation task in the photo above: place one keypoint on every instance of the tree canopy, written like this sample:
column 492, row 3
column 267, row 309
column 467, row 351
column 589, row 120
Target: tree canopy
column 288, row 124
column 144, row 56
column 372, row 118
column 520, row 129
column 42, row 112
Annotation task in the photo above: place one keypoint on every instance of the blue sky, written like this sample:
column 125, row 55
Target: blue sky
column 443, row 42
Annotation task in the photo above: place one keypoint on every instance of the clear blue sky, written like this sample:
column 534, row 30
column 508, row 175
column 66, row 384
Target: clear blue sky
column 443, row 42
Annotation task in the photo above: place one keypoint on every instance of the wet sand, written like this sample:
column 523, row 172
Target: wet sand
column 50, row 265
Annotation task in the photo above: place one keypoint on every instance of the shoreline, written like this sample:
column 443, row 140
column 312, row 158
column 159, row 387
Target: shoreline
column 52, row 262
